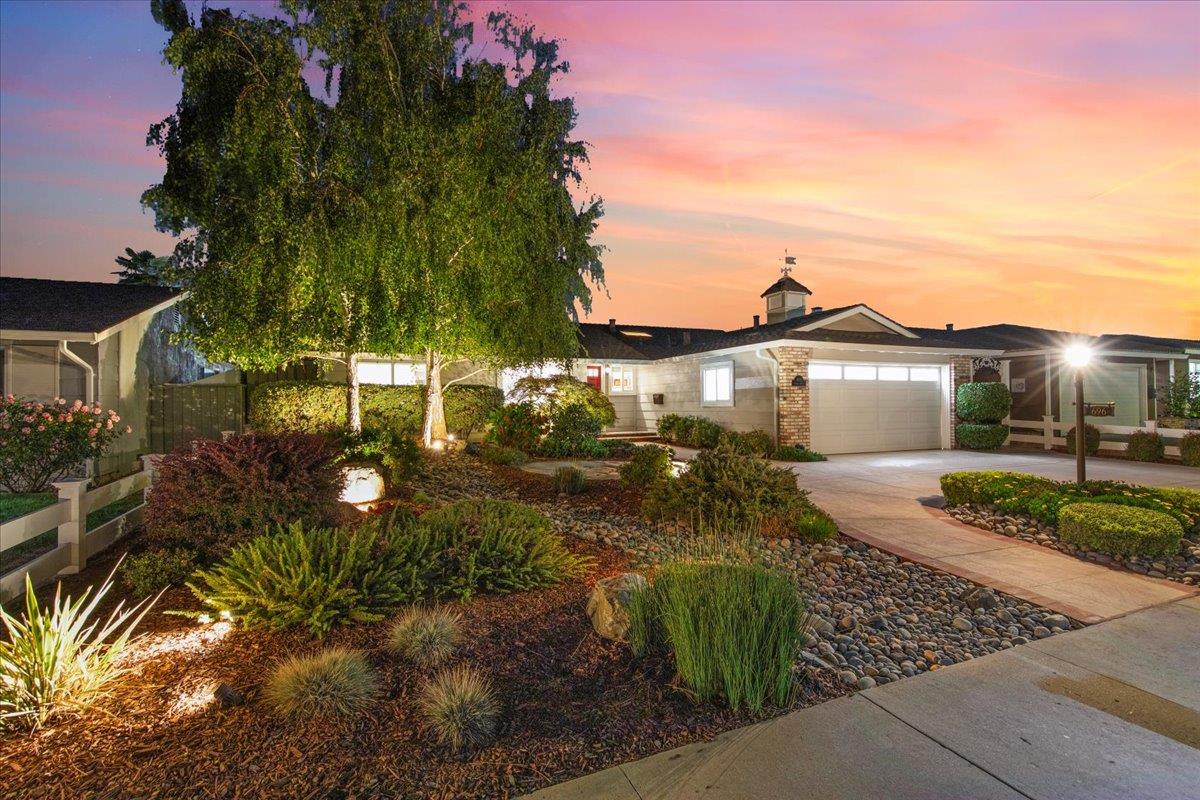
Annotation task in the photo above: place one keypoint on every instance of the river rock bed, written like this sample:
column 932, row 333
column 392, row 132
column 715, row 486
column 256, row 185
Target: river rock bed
column 1184, row 568
column 876, row 617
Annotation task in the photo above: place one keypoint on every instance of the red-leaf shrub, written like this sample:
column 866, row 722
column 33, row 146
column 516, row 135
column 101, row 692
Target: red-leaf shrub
column 209, row 496
column 41, row 441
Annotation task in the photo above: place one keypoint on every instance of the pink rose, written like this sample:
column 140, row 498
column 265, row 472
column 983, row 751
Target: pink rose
column 25, row 431
column 41, row 428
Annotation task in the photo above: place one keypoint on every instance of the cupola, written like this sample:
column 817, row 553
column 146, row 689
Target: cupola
column 786, row 296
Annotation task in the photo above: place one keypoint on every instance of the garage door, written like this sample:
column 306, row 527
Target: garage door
column 865, row 408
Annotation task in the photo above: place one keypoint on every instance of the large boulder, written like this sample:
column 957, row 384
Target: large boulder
column 608, row 605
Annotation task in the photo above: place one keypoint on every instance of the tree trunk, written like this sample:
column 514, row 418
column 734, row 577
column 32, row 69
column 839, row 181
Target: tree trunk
column 434, row 428
column 353, row 406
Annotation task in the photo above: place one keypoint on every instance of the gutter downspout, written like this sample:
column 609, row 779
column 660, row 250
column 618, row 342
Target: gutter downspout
column 90, row 387
column 774, row 362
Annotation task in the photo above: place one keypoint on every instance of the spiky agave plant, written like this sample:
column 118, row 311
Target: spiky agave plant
column 61, row 658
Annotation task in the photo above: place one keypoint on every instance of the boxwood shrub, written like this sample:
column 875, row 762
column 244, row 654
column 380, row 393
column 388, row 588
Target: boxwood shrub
column 980, row 436
column 320, row 407
column 1189, row 449
column 689, row 431
column 1120, row 530
column 983, row 402
column 751, row 443
column 1145, row 446
column 795, row 453
column 1091, row 440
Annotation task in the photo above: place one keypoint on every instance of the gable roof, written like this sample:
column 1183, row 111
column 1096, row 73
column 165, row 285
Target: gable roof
column 83, row 307
column 786, row 284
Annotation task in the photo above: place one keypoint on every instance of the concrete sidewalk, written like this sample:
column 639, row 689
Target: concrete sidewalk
column 1111, row 712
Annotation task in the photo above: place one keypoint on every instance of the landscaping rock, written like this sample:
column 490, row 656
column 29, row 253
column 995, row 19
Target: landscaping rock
column 608, row 605
column 227, row 696
column 981, row 597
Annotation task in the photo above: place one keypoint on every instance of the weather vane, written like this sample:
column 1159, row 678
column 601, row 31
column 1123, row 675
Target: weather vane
column 788, row 263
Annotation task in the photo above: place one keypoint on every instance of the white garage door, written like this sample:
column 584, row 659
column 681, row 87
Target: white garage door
column 865, row 408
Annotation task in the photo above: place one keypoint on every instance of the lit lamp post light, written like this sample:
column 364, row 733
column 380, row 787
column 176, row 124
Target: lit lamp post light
column 1079, row 355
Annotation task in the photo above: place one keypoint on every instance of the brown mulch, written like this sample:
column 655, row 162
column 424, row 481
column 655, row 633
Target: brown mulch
column 604, row 495
column 573, row 704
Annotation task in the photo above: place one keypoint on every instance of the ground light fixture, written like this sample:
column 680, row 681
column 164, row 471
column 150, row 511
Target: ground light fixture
column 1079, row 355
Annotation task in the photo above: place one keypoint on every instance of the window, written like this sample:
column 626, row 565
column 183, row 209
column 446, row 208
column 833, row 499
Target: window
column 595, row 377
column 391, row 373
column 825, row 372
column 854, row 372
column 1194, row 368
column 717, row 384
column 893, row 373
column 925, row 374
column 620, row 380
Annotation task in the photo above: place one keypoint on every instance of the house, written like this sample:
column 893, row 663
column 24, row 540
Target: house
column 103, row 342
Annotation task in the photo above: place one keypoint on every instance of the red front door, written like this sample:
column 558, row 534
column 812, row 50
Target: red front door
column 594, row 377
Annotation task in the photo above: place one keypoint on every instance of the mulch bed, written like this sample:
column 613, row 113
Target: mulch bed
column 603, row 495
column 573, row 704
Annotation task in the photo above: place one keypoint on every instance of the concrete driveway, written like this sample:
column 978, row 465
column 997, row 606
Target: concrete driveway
column 874, row 497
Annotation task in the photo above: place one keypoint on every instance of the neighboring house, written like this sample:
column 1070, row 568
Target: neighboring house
column 103, row 342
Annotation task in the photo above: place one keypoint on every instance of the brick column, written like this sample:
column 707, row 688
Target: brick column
column 795, row 421
column 960, row 373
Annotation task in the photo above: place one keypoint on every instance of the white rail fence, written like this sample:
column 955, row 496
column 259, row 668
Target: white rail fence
column 74, row 544
column 1050, row 434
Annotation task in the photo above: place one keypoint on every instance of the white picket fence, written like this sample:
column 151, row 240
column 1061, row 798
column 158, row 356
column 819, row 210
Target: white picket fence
column 75, row 544
column 1050, row 434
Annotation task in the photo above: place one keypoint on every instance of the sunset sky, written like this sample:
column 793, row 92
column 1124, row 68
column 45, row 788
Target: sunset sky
column 974, row 163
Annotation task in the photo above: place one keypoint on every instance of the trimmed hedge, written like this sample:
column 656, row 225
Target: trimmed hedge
column 795, row 453
column 1091, row 440
column 1145, row 446
column 982, row 403
column 1189, row 450
column 1120, row 530
column 320, row 407
column 689, row 431
column 753, row 443
column 980, row 436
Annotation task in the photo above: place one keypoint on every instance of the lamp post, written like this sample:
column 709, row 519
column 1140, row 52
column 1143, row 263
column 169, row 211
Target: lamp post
column 1079, row 355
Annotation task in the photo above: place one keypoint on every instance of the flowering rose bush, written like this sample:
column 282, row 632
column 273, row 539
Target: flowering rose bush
column 41, row 441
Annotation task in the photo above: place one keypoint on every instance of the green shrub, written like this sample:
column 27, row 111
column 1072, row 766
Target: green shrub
column 619, row 448
column 703, row 433
column 815, row 525
column 504, row 456
column 752, row 443
column 425, row 636
column 518, row 425
column 61, row 658
column 492, row 546
column 1091, row 440
column 212, row 495
column 733, row 629
column 977, row 436
column 728, row 490
column 982, row 403
column 316, row 577
column 152, row 570
column 962, row 488
column 573, row 432
column 40, row 441
column 1145, row 446
column 1120, row 530
column 648, row 465
column 699, row 432
column 334, row 683
column 794, row 453
column 667, row 425
column 554, row 393
column 398, row 457
column 1189, row 449
column 569, row 480
column 320, row 407
column 460, row 707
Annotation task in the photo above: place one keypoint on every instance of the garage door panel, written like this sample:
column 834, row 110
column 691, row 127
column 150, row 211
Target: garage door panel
column 859, row 416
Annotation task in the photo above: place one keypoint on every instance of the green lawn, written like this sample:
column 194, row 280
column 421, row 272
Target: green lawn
column 17, row 505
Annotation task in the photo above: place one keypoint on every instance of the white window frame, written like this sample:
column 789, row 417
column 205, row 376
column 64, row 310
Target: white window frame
column 414, row 372
column 716, row 366
column 617, row 373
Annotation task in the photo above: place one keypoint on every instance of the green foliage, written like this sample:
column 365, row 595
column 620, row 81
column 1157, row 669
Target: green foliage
column 39, row 441
column 733, row 629
column 153, row 570
column 983, row 403
column 460, row 707
column 1145, row 446
column 753, row 443
column 1120, row 530
column 728, row 490
column 504, row 456
column 316, row 577
column 978, row 436
column 648, row 465
column 700, row 432
column 552, row 394
column 667, row 425
column 18, row 505
column 962, row 488
column 317, row 407
column 1091, row 440
column 570, row 480
column 333, row 683
column 1189, row 450
column 62, row 658
column 143, row 268
column 1181, row 395
column 425, row 636
column 795, row 453
column 814, row 525
column 573, row 432
column 398, row 457
column 518, row 425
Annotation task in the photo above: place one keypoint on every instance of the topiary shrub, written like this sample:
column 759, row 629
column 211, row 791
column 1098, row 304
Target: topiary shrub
column 1120, row 530
column 334, row 683
column 1091, row 440
column 504, row 456
column 556, row 392
column 148, row 572
column 573, row 432
column 1145, row 446
column 425, row 636
column 648, row 465
column 733, row 629
column 978, row 436
column 962, row 488
column 210, row 496
column 982, row 403
column 518, row 425
column 794, row 453
column 460, row 707
column 569, row 480
column 752, row 443
column 1189, row 450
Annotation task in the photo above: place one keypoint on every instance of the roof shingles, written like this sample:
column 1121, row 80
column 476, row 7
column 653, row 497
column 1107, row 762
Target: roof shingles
column 35, row 304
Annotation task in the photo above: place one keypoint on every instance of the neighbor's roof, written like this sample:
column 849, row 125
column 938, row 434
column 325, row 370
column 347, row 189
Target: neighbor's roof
column 1023, row 337
column 786, row 283
column 35, row 304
